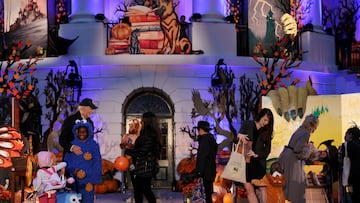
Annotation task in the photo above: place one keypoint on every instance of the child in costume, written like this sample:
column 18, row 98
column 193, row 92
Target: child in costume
column 47, row 179
column 273, row 182
column 85, row 168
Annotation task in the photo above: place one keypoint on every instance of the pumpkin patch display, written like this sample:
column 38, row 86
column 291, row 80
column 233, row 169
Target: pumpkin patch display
column 186, row 170
column 108, row 183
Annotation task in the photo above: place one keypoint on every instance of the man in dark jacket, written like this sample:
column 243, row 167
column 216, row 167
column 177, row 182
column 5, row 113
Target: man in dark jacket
column 86, row 108
column 205, row 160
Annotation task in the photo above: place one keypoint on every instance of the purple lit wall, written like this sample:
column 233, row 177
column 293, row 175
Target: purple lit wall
column 84, row 6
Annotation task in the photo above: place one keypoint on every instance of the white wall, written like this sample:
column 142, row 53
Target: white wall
column 109, row 85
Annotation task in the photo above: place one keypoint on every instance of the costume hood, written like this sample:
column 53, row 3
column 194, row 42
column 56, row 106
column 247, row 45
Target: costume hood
column 83, row 123
column 44, row 159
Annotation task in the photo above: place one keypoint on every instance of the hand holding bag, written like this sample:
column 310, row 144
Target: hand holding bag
column 235, row 169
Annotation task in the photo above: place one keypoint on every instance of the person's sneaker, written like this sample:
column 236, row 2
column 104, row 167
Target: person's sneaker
column 131, row 167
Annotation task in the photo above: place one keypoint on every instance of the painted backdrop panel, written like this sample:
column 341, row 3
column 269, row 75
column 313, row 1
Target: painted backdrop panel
column 264, row 22
column 26, row 20
column 336, row 113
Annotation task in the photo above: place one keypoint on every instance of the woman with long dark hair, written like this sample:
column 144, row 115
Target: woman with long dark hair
column 145, row 156
column 256, row 135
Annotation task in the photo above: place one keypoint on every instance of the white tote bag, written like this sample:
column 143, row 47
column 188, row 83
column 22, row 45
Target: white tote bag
column 235, row 169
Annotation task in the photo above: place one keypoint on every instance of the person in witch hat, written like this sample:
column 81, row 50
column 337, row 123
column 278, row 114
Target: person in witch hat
column 205, row 160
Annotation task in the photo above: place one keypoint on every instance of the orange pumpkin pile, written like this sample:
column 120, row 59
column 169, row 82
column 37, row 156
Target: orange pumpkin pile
column 108, row 183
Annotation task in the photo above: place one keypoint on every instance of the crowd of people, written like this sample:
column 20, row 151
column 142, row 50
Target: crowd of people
column 342, row 166
column 82, row 159
column 289, row 178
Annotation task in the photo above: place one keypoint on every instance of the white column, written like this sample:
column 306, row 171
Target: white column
column 83, row 11
column 211, row 10
column 315, row 15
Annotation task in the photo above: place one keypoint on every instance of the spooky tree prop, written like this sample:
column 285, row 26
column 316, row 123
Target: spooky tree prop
column 233, row 12
column 341, row 22
column 284, row 57
column 15, row 83
column 249, row 98
column 223, row 106
column 61, row 11
column 56, row 102
column 13, row 80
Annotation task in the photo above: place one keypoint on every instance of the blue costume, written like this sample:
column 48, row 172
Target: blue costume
column 85, row 168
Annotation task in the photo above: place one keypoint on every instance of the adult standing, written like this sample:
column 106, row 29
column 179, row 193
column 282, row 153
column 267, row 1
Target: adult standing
column 145, row 155
column 353, row 147
column 293, row 157
column 128, row 143
column 257, row 135
column 85, row 109
column 345, row 165
column 205, row 159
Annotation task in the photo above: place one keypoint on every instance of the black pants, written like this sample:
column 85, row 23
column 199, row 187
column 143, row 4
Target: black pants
column 355, row 195
column 209, row 189
column 142, row 187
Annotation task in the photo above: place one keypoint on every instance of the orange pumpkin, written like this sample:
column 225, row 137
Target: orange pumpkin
column 227, row 198
column 111, row 185
column 121, row 31
column 121, row 163
column 100, row 189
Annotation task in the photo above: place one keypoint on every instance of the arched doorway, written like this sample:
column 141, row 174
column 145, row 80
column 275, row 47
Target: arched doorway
column 157, row 101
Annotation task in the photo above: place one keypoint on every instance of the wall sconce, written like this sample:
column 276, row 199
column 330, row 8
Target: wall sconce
column 222, row 77
column 73, row 83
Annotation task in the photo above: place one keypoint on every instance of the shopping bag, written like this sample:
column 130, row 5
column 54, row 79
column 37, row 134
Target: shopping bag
column 235, row 169
column 198, row 195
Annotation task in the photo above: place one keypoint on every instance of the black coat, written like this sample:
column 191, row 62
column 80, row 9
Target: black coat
column 66, row 135
column 353, row 147
column 145, row 153
column 206, row 155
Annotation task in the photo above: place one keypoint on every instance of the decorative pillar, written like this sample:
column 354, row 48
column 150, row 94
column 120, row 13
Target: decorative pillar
column 315, row 15
column 83, row 11
column 84, row 25
column 211, row 11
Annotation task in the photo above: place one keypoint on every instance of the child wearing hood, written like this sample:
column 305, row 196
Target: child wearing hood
column 47, row 180
column 86, row 167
